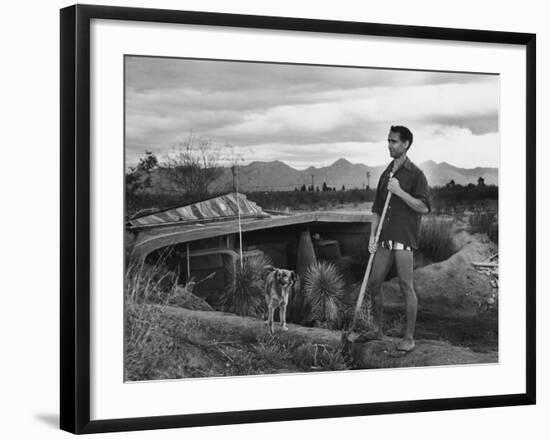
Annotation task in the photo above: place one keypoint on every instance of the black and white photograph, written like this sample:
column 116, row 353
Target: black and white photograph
column 275, row 219
column 294, row 218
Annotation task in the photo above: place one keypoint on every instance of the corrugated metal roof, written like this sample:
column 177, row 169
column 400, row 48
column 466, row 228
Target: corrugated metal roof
column 153, row 238
column 222, row 207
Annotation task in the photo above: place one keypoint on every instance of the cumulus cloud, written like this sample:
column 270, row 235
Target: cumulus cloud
column 289, row 112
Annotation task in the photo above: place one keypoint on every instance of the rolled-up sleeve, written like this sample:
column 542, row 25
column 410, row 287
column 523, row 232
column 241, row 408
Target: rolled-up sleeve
column 377, row 205
column 421, row 190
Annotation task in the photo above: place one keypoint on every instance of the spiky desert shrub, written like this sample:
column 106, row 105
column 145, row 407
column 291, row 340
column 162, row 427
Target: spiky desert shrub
column 323, row 291
column 245, row 295
column 436, row 238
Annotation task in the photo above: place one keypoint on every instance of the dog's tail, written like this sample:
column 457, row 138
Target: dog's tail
column 265, row 271
column 268, row 269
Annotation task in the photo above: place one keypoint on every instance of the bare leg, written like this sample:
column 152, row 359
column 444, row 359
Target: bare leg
column 383, row 259
column 282, row 316
column 404, row 265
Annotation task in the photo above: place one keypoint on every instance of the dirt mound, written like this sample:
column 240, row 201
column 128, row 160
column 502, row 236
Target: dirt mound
column 164, row 342
column 383, row 354
column 245, row 328
column 184, row 298
column 374, row 354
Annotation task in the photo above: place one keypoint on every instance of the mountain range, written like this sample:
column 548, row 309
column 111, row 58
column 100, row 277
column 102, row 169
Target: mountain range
column 277, row 175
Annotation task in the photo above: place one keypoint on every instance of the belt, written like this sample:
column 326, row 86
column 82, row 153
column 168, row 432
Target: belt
column 395, row 245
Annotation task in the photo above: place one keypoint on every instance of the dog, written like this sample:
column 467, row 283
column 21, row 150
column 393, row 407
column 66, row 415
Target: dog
column 278, row 286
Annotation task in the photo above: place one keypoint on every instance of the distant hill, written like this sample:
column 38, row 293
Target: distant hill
column 439, row 174
column 276, row 175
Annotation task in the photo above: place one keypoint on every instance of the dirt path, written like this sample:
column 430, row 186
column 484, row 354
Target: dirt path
column 383, row 354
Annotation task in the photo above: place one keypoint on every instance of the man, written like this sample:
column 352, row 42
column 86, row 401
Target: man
column 400, row 230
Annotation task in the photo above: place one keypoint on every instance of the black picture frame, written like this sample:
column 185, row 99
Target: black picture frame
column 75, row 217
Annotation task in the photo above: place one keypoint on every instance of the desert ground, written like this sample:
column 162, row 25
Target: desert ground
column 457, row 323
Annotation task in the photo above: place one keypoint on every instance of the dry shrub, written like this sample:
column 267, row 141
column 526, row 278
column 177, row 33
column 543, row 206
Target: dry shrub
column 145, row 283
column 271, row 353
column 331, row 359
column 485, row 222
column 304, row 356
column 245, row 296
column 364, row 320
column 436, row 238
column 309, row 356
column 147, row 343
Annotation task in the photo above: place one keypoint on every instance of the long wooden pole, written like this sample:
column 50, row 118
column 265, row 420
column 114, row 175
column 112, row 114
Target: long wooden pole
column 188, row 261
column 369, row 264
column 236, row 188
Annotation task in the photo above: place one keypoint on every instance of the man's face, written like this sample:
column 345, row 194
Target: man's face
column 396, row 146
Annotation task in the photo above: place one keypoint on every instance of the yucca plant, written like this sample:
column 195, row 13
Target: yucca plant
column 323, row 291
column 245, row 295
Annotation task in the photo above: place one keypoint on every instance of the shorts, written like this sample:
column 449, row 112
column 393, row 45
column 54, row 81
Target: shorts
column 394, row 245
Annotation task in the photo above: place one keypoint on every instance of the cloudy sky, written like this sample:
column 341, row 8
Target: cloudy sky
column 309, row 115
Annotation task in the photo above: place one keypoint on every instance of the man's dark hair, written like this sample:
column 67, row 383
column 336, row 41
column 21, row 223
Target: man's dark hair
column 404, row 133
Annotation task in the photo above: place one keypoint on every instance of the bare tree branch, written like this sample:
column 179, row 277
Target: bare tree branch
column 194, row 166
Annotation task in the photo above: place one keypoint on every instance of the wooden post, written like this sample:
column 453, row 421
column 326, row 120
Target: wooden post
column 306, row 253
column 305, row 258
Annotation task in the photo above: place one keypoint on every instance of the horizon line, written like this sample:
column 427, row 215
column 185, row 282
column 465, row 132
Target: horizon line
column 128, row 166
column 358, row 163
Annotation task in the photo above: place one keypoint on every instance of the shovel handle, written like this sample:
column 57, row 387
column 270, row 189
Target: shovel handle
column 369, row 264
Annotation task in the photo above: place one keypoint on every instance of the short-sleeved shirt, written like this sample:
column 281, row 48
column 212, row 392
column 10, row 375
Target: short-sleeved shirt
column 402, row 223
